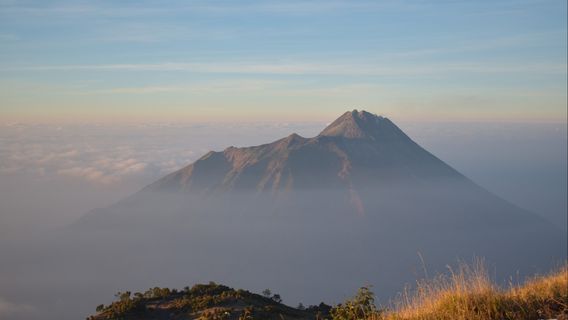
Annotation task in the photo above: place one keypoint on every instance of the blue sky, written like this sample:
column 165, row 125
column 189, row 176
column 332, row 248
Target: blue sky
column 293, row 60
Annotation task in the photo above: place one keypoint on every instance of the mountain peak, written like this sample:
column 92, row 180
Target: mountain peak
column 358, row 144
column 363, row 125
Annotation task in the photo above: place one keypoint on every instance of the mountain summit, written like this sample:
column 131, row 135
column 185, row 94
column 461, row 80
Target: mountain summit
column 363, row 125
column 357, row 150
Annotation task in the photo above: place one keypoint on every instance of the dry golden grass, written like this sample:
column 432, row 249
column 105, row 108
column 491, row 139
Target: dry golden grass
column 469, row 294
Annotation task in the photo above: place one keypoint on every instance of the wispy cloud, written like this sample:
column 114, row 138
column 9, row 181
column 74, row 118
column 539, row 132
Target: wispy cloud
column 90, row 174
column 241, row 85
column 8, row 37
column 114, row 9
column 295, row 7
column 377, row 69
column 523, row 40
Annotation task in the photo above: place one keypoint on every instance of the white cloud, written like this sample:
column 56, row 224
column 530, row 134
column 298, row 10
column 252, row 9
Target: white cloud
column 91, row 174
column 128, row 166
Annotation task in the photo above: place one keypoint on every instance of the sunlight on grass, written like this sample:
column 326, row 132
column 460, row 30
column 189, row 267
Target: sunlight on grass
column 469, row 294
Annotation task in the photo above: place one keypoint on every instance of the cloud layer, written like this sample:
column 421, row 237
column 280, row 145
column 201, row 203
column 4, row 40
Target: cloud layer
column 109, row 154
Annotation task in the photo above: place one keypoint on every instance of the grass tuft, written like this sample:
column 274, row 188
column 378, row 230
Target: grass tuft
column 469, row 294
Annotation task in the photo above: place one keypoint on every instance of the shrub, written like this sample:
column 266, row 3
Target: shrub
column 361, row 306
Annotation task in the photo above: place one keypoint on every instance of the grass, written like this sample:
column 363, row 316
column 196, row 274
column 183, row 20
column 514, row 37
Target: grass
column 469, row 294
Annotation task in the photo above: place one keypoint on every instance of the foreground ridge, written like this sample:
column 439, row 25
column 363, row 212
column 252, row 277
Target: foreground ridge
column 205, row 301
column 466, row 293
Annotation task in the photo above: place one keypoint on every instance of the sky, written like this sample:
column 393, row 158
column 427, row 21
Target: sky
column 195, row 61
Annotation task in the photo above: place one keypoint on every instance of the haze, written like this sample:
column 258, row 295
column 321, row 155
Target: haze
column 100, row 99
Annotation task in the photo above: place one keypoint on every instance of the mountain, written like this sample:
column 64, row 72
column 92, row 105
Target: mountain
column 359, row 149
column 360, row 203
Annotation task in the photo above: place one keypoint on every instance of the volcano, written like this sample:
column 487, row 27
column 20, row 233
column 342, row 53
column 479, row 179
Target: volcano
column 358, row 150
column 317, row 217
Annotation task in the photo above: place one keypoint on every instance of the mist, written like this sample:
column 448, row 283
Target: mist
column 64, row 251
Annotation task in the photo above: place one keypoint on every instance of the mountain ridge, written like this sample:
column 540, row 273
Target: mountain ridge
column 356, row 140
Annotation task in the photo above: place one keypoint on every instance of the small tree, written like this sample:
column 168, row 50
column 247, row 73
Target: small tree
column 361, row 306
column 123, row 296
column 267, row 293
